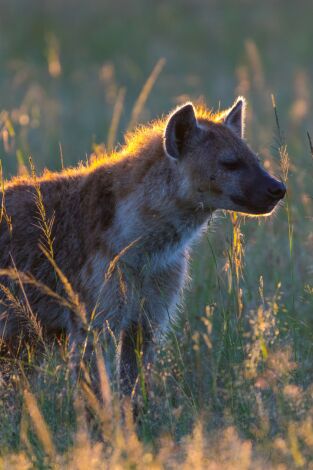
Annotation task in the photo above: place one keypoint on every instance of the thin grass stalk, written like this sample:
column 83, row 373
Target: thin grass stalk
column 224, row 315
column 187, row 385
column 32, row 317
column 237, row 260
column 25, row 278
column 284, row 160
column 295, row 447
column 103, row 376
column 117, row 113
column 144, row 94
column 3, row 212
column 78, row 307
column 39, row 424
column 44, row 224
column 310, row 144
column 140, row 366
column 110, row 270
column 61, row 156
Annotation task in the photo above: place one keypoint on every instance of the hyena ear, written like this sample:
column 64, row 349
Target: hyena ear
column 235, row 118
column 180, row 127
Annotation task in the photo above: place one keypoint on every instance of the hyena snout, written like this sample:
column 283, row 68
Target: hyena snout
column 276, row 189
column 260, row 195
column 266, row 193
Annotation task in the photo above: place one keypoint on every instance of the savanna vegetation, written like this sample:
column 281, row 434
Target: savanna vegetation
column 233, row 383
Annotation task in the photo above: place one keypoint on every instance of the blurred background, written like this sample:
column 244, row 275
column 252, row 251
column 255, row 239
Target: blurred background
column 63, row 64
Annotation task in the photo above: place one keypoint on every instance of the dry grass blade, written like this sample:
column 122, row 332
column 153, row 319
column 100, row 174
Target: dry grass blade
column 295, row 448
column 143, row 96
column 237, row 246
column 91, row 398
column 127, row 437
column 103, row 376
column 24, row 427
column 44, row 224
column 284, row 162
column 282, row 147
column 279, row 132
column 310, row 144
column 109, row 272
column 99, row 412
column 11, row 299
column 111, row 333
column 256, row 63
column 39, row 423
column 3, row 212
column 236, row 260
column 77, row 306
column 28, row 279
column 82, row 425
column 61, row 156
column 117, row 258
column 33, row 318
column 117, row 112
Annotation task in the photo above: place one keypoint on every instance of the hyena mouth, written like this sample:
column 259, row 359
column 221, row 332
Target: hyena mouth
column 249, row 208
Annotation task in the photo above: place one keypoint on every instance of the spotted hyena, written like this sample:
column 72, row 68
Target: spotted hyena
column 123, row 227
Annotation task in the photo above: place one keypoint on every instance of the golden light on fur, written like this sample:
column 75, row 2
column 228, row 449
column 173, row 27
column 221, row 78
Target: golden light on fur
column 102, row 249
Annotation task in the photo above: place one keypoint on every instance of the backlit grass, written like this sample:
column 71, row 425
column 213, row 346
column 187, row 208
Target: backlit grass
column 233, row 383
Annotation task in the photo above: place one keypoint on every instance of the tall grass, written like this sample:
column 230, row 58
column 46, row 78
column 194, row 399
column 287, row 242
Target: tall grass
column 232, row 385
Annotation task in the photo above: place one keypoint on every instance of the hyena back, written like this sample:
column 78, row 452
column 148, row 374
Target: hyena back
column 142, row 207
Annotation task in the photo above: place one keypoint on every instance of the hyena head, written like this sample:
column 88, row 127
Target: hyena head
column 220, row 170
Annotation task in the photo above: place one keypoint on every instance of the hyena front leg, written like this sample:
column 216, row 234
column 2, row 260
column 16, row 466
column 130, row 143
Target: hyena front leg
column 136, row 351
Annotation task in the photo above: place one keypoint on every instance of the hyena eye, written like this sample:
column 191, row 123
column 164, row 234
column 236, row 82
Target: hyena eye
column 233, row 164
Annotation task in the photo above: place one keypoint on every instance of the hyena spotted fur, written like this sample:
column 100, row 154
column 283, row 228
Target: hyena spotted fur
column 145, row 205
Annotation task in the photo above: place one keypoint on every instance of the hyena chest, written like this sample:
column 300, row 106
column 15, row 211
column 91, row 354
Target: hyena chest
column 119, row 294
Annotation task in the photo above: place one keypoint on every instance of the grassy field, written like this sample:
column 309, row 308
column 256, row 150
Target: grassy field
column 233, row 383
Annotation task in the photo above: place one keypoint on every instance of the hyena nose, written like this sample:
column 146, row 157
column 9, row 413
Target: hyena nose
column 277, row 189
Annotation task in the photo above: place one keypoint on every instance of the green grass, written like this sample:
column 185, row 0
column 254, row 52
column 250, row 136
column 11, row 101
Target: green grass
column 234, row 378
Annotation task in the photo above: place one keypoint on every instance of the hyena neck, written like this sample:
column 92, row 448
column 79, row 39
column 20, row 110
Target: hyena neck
column 153, row 214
